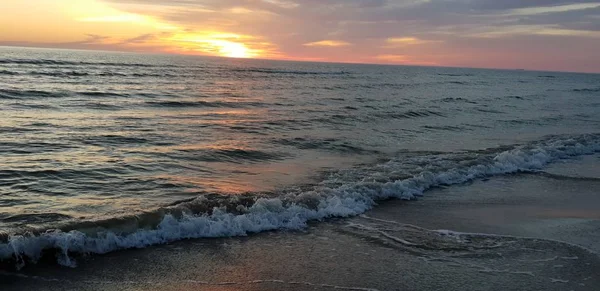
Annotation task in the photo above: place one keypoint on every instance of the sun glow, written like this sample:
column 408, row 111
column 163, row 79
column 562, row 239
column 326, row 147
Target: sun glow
column 232, row 49
column 98, row 24
column 215, row 43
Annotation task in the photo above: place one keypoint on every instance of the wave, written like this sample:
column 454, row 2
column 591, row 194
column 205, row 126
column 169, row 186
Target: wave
column 71, row 63
column 8, row 147
column 138, row 75
column 553, row 119
column 62, row 74
column 13, row 130
column 288, row 72
column 100, row 106
column 457, row 100
column 59, row 74
column 101, row 94
column 33, row 106
column 27, row 94
column 410, row 114
column 445, row 128
column 342, row 195
column 10, row 73
column 485, row 110
column 35, row 217
column 567, row 178
column 324, row 144
column 113, row 140
column 35, row 62
column 112, row 74
column 455, row 75
column 213, row 104
column 511, row 97
column 61, row 174
column 225, row 155
column 370, row 86
column 587, row 90
column 19, row 94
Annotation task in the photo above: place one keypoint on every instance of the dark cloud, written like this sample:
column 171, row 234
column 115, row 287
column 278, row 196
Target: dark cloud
column 515, row 4
column 333, row 12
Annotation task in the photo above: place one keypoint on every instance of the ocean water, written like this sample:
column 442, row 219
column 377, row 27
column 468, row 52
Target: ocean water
column 104, row 151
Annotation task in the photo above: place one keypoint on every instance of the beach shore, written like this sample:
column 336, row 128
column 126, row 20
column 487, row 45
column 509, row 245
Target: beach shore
column 536, row 232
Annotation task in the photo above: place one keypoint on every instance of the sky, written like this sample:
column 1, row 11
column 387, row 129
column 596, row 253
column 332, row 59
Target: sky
column 558, row 35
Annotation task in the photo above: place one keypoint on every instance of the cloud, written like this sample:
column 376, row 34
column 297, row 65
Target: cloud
column 487, row 33
column 552, row 9
column 395, row 42
column 142, row 43
column 115, row 18
column 400, row 31
column 515, row 4
column 569, row 32
column 328, row 43
column 494, row 33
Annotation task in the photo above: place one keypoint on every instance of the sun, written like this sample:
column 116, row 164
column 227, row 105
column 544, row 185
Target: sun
column 230, row 49
column 215, row 43
column 233, row 50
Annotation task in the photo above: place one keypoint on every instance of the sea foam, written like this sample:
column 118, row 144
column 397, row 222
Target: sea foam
column 293, row 211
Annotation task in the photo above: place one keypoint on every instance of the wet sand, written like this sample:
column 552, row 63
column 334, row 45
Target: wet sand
column 392, row 247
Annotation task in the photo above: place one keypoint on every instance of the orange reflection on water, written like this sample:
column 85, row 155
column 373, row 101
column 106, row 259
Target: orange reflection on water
column 227, row 186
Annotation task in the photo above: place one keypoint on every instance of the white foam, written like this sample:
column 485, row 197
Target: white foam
column 289, row 212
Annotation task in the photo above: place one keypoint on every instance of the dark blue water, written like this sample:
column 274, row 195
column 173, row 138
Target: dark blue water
column 113, row 147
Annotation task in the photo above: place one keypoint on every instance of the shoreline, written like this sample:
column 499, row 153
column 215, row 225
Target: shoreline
column 393, row 247
column 354, row 196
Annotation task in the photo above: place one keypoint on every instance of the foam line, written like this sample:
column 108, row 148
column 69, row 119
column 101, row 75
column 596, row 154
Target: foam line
column 349, row 199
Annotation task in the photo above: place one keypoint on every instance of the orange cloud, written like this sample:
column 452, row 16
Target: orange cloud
column 406, row 41
column 420, row 32
column 328, row 43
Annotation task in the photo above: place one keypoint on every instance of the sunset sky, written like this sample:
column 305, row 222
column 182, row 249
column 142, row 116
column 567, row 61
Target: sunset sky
column 534, row 34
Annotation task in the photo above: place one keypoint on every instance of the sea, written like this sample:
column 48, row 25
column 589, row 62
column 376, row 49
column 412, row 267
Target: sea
column 104, row 151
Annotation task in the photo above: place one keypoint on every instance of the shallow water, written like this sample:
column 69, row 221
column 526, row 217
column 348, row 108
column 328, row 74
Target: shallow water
column 124, row 144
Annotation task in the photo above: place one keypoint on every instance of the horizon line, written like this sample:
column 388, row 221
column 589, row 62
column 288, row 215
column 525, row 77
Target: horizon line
column 291, row 60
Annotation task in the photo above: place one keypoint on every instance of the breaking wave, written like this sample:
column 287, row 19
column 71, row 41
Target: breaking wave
column 343, row 194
